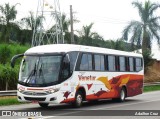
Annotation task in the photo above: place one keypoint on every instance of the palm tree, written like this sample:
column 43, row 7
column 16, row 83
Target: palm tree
column 65, row 22
column 32, row 22
column 8, row 15
column 143, row 31
column 86, row 35
column 65, row 26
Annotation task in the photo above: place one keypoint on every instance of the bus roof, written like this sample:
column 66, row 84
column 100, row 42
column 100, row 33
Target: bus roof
column 57, row 48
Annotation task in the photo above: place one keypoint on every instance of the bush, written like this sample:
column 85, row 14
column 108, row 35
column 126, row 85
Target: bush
column 7, row 51
column 8, row 75
column 5, row 54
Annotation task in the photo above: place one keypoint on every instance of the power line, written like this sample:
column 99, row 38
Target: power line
column 102, row 19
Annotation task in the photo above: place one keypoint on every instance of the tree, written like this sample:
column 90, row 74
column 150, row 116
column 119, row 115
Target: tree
column 31, row 22
column 86, row 35
column 117, row 45
column 8, row 15
column 143, row 31
column 65, row 26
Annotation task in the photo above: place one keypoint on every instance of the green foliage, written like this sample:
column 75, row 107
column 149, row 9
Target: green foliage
column 25, row 36
column 111, row 44
column 8, row 75
column 151, row 88
column 8, row 14
column 143, row 31
column 32, row 22
column 5, row 53
column 9, row 101
column 87, row 37
column 117, row 45
column 147, row 56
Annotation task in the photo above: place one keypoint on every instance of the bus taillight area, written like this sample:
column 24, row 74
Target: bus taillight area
column 34, row 94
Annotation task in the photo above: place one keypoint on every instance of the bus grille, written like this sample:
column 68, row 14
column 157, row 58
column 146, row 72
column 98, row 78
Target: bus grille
column 34, row 93
column 34, row 99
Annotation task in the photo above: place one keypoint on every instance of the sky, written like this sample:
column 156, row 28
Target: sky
column 109, row 16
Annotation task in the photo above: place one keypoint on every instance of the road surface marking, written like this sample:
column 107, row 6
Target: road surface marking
column 99, row 108
column 125, row 104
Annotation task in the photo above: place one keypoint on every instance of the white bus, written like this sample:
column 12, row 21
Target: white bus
column 66, row 73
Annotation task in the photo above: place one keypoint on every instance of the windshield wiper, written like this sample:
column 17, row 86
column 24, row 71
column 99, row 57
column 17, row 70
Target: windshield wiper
column 31, row 74
column 41, row 72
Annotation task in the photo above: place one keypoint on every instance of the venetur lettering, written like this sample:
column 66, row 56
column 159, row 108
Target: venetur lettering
column 86, row 78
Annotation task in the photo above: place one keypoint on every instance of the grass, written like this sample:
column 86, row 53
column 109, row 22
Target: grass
column 151, row 88
column 8, row 100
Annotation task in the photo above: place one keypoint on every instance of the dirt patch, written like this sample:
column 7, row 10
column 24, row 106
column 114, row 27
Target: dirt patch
column 152, row 74
column 7, row 97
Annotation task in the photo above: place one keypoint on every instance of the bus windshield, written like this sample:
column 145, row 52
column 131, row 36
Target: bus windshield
column 40, row 70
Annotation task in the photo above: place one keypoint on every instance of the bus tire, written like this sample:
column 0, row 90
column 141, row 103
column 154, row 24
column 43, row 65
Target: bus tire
column 122, row 95
column 78, row 99
column 44, row 105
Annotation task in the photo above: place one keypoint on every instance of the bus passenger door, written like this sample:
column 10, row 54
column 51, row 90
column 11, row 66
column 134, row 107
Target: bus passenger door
column 86, row 80
column 65, row 75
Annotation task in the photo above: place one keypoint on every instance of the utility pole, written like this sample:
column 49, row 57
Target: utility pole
column 71, row 18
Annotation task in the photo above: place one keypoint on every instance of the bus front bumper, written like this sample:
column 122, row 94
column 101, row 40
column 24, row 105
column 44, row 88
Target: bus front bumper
column 50, row 98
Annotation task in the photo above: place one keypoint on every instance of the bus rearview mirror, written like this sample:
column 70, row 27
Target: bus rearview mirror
column 14, row 59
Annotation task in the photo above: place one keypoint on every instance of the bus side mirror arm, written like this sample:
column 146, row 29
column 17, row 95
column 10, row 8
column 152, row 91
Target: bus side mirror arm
column 14, row 58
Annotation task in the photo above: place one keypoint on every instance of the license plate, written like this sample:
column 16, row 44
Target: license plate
column 34, row 101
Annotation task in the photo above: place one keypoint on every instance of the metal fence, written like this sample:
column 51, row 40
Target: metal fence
column 152, row 84
column 8, row 93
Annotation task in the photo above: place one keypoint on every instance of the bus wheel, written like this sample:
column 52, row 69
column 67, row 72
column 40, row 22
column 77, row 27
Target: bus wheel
column 122, row 95
column 44, row 105
column 78, row 99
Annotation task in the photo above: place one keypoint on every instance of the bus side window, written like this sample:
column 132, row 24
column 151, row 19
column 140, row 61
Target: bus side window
column 99, row 62
column 131, row 64
column 90, row 61
column 138, row 62
column 72, row 57
column 122, row 63
column 86, row 62
column 111, row 63
column 102, row 63
column 65, row 73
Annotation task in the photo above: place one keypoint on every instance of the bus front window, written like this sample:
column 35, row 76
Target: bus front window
column 40, row 70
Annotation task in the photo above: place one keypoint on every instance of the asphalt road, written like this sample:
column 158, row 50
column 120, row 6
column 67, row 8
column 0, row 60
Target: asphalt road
column 144, row 106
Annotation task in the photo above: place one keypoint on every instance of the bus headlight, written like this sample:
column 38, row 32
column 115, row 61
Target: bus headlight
column 21, row 89
column 51, row 90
